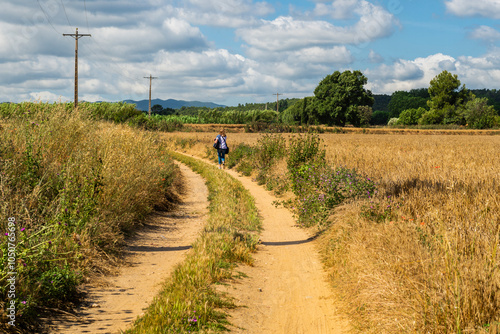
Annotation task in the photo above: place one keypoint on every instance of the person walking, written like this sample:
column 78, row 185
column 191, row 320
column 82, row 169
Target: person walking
column 222, row 148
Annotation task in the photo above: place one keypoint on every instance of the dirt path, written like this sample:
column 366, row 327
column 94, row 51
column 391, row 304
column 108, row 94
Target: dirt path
column 152, row 256
column 286, row 290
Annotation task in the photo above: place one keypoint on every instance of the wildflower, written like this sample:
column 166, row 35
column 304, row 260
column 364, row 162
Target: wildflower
column 7, row 234
column 422, row 223
column 22, row 229
column 24, row 302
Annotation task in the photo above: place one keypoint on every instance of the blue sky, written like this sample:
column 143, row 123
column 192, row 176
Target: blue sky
column 239, row 51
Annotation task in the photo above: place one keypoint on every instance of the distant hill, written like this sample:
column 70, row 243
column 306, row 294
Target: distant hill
column 173, row 104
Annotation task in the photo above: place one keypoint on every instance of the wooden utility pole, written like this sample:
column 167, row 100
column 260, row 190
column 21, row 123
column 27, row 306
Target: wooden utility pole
column 76, row 36
column 277, row 101
column 150, row 82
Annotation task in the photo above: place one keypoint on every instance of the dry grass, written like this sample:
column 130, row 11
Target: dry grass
column 431, row 265
column 429, row 262
column 75, row 187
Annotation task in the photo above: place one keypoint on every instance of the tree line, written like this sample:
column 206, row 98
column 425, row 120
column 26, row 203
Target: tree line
column 341, row 99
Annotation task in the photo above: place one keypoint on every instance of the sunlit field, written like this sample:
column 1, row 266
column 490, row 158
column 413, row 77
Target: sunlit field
column 422, row 254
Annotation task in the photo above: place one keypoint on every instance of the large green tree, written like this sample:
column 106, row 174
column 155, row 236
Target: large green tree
column 447, row 98
column 338, row 96
column 445, row 90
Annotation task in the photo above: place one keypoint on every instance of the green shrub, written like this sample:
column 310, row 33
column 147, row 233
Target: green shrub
column 270, row 148
column 411, row 116
column 304, row 149
column 319, row 188
column 434, row 116
column 393, row 121
column 479, row 115
column 238, row 154
column 118, row 112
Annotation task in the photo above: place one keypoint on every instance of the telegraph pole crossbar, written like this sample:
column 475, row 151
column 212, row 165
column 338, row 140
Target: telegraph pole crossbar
column 76, row 36
column 150, row 82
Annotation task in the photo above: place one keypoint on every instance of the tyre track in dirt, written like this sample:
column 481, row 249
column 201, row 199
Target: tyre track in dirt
column 152, row 256
column 286, row 290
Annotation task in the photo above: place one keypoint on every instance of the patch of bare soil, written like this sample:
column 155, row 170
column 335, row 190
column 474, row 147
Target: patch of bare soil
column 113, row 303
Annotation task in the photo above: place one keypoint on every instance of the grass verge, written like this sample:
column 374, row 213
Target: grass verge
column 188, row 301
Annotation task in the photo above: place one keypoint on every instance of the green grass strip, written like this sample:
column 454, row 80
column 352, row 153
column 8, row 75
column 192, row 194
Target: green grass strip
column 188, row 301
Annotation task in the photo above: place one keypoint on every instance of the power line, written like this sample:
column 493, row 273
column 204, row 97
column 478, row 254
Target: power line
column 120, row 70
column 110, row 69
column 64, row 8
column 47, row 17
column 86, row 17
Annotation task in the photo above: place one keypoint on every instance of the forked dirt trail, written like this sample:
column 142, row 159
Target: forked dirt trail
column 152, row 256
column 286, row 291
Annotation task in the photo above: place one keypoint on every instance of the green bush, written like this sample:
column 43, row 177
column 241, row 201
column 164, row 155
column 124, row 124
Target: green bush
column 304, row 149
column 411, row 116
column 393, row 121
column 319, row 188
column 270, row 148
column 479, row 115
column 238, row 154
column 118, row 112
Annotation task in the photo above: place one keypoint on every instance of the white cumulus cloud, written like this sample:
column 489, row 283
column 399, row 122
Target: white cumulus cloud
column 486, row 8
column 287, row 33
column 485, row 33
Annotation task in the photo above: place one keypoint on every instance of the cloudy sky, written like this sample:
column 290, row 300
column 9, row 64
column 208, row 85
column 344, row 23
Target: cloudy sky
column 238, row 51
